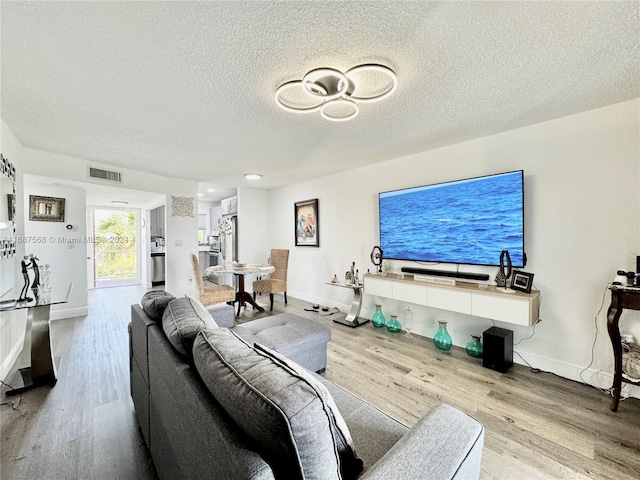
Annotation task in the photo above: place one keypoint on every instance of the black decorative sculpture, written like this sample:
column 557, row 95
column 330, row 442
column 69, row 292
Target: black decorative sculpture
column 26, row 265
column 505, row 269
column 376, row 258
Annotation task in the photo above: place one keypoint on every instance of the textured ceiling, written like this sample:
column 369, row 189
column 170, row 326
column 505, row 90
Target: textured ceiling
column 186, row 88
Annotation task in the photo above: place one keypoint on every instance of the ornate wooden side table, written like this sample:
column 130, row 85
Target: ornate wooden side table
column 621, row 298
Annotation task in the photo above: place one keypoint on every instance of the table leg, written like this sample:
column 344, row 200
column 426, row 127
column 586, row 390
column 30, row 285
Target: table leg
column 37, row 347
column 613, row 317
column 352, row 318
column 242, row 297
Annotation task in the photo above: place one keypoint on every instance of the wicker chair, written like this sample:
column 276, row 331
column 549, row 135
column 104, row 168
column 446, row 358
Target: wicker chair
column 211, row 293
column 277, row 281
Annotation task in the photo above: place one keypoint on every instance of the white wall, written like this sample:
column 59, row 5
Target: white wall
column 12, row 324
column 180, row 240
column 253, row 228
column 582, row 220
column 64, row 250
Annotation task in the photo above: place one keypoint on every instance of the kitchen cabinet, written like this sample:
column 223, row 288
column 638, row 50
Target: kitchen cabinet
column 216, row 214
column 203, row 259
column 156, row 222
column 230, row 206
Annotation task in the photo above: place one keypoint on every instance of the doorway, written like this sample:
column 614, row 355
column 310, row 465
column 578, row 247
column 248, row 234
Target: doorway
column 115, row 247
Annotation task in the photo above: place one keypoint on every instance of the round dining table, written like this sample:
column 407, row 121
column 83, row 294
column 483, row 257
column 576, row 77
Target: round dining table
column 242, row 297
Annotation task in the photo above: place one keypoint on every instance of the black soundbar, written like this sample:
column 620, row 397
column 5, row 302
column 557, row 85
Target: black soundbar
column 445, row 273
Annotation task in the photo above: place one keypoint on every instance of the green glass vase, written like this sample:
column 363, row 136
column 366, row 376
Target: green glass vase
column 377, row 319
column 442, row 339
column 393, row 325
column 474, row 347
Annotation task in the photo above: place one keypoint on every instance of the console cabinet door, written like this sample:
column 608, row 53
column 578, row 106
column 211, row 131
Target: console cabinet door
column 505, row 309
column 410, row 292
column 449, row 299
column 378, row 287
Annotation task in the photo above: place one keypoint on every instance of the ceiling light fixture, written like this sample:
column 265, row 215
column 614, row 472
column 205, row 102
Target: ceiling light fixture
column 252, row 176
column 335, row 94
column 119, row 202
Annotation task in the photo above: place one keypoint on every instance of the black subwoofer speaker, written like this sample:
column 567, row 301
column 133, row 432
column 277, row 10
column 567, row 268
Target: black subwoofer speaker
column 497, row 349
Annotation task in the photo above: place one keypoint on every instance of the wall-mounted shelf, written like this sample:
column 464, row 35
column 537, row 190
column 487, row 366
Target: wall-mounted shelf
column 516, row 307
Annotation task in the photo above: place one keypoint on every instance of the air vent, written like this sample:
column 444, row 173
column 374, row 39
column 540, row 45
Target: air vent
column 105, row 175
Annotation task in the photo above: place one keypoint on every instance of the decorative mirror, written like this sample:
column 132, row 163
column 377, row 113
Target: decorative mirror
column 7, row 207
column 7, row 222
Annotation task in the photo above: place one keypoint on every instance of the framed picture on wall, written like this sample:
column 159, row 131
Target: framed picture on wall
column 306, row 223
column 46, row 209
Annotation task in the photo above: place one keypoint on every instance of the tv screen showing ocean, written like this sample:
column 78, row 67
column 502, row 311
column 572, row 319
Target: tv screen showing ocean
column 467, row 221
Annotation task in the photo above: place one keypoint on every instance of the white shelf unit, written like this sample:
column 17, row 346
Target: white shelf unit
column 516, row 308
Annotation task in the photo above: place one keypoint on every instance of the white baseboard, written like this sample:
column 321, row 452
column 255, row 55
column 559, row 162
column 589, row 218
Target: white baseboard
column 69, row 313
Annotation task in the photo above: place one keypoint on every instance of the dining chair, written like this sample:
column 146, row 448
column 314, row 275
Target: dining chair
column 211, row 293
column 277, row 281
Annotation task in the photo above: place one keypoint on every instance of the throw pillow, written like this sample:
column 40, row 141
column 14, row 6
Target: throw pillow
column 350, row 464
column 279, row 412
column 154, row 302
column 182, row 321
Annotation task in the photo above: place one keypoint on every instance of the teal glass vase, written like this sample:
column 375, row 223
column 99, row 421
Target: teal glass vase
column 377, row 319
column 474, row 347
column 393, row 325
column 442, row 339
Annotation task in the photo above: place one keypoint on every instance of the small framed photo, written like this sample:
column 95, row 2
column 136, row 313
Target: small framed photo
column 521, row 281
column 46, row 209
column 306, row 223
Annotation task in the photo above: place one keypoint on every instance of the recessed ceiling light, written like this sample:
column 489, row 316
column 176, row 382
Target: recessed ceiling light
column 253, row 176
column 211, row 190
column 119, row 202
column 201, row 194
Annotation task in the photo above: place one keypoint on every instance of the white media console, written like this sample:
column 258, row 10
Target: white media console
column 515, row 307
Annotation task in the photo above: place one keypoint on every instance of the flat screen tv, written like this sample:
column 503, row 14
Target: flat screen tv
column 466, row 221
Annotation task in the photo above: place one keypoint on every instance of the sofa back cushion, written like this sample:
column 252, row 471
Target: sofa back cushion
column 350, row 464
column 280, row 412
column 154, row 303
column 182, row 320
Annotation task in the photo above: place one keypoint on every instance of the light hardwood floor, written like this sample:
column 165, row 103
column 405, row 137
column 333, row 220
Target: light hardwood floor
column 537, row 425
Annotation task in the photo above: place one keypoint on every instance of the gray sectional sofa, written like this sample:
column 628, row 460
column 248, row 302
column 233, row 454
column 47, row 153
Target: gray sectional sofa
column 213, row 405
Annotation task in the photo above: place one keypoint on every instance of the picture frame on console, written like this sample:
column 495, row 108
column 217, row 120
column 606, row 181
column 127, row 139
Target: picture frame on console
column 306, row 225
column 521, row 281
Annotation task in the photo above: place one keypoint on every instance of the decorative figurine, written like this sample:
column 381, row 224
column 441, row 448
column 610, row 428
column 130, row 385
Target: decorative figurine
column 36, row 275
column 335, row 279
column 26, row 264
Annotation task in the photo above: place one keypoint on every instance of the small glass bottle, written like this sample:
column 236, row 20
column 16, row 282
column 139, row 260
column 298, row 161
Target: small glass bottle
column 393, row 325
column 408, row 322
column 474, row 347
column 442, row 339
column 377, row 319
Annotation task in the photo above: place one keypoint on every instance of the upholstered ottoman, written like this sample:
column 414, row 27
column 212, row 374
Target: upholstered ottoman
column 302, row 340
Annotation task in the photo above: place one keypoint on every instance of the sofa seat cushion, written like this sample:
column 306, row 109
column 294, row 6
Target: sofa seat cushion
column 154, row 303
column 182, row 321
column 280, row 412
column 285, row 332
column 350, row 464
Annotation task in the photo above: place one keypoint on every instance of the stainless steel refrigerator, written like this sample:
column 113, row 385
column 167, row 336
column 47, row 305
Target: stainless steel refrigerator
column 228, row 246
column 229, row 239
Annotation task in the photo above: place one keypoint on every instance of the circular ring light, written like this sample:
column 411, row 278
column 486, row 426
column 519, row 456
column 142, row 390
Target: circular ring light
column 350, row 74
column 333, row 82
column 339, row 102
column 289, row 108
